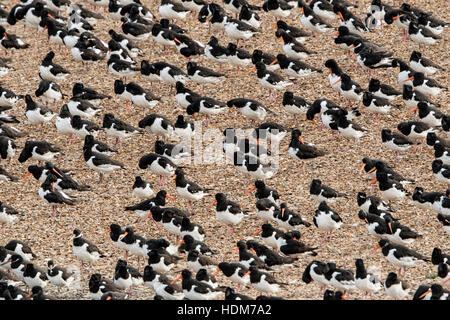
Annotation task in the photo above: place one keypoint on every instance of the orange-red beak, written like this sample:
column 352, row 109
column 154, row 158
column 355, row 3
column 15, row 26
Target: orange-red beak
column 251, row 70
column 274, row 61
column 301, row 139
column 257, row 232
column 373, row 181
column 212, row 203
column 410, row 78
column 335, row 34
column 251, row 189
column 413, row 109
column 372, row 170
column 339, row 80
column 216, row 272
column 340, row 15
column 375, row 250
column 397, row 17
column 109, row 230
column 176, row 40
column 176, row 279
column 170, row 197
column 26, row 176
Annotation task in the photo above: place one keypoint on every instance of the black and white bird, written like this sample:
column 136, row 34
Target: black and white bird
column 250, row 17
column 249, row 108
column 188, row 190
column 239, row 30
column 49, row 92
column 366, row 281
column 97, row 146
column 390, row 189
column 228, row 212
column 238, row 57
column 294, row 67
column 39, row 150
column 48, row 70
column 295, row 104
column 264, row 192
column 208, row 106
column 291, row 47
column 82, row 127
column 396, row 141
column 420, row 64
column 395, row 287
column 121, row 68
column 278, row 8
column 37, row 113
column 302, row 151
column 415, row 130
column 266, row 58
column 269, row 79
column 327, row 219
column 126, row 276
column 135, row 31
column 289, row 219
column 59, row 276
column 321, row 192
column 117, row 128
column 8, row 97
column 311, row 21
column 441, row 171
column 184, row 128
column 425, row 85
column 158, row 164
column 202, row 74
column 84, row 249
column 142, row 188
column 99, row 285
column 21, row 248
column 172, row 10
column 215, row 52
column 422, row 35
column 126, row 43
column 383, row 90
column 157, row 125
column 52, row 196
column 162, row 285
column 348, row 19
column 88, row 94
column 197, row 290
column 400, row 255
column 7, row 148
column 100, row 162
column 263, row 281
column 299, row 34
column 428, row 114
column 185, row 96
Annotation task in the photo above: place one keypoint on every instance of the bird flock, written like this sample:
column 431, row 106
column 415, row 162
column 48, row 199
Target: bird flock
column 120, row 104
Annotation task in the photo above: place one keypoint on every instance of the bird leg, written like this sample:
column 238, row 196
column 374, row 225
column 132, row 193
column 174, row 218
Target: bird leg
column 54, row 211
column 126, row 255
column 101, row 177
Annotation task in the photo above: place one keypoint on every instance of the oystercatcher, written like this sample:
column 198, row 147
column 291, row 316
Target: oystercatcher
column 321, row 192
column 327, row 219
column 400, row 255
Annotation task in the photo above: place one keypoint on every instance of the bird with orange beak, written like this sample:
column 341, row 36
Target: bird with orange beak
column 301, row 151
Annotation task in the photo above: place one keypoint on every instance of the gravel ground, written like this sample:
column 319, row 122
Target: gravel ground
column 339, row 168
